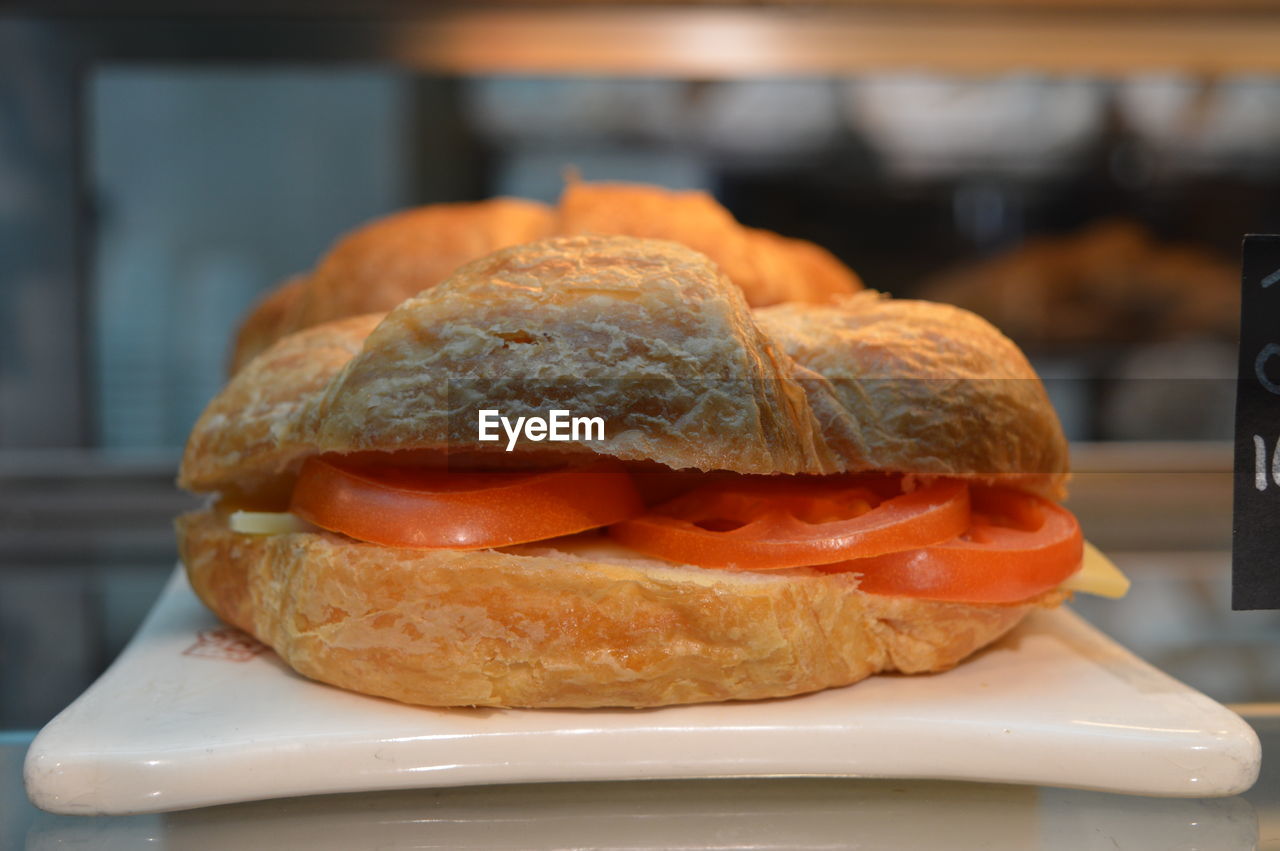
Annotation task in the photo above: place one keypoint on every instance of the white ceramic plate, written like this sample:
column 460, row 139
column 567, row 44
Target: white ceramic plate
column 194, row 714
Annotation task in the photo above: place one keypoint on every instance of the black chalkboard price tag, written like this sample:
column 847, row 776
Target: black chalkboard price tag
column 1255, row 550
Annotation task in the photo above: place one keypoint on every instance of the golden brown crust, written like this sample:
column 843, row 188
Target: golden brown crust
column 650, row 336
column 241, row 437
column 375, row 267
column 789, row 269
column 921, row 387
column 647, row 334
column 768, row 268
column 379, row 265
column 490, row 628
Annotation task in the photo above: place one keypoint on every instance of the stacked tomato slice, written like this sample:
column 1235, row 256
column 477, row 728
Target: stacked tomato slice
column 766, row 524
column 432, row 508
column 941, row 539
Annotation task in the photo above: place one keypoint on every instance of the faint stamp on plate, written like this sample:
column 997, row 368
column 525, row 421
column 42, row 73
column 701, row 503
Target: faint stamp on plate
column 225, row 642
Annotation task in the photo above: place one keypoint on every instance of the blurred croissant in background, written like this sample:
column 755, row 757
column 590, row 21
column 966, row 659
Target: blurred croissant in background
column 382, row 263
column 1110, row 282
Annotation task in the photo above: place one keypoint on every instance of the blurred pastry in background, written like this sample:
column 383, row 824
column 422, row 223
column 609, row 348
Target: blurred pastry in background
column 769, row 268
column 382, row 263
column 1111, row 282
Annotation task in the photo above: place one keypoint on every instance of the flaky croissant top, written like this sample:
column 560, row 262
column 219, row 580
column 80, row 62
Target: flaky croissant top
column 653, row 337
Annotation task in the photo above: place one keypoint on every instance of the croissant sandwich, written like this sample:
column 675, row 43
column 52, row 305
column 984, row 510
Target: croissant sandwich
column 583, row 472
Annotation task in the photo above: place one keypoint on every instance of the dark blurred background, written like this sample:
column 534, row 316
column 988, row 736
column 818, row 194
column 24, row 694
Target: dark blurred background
column 157, row 175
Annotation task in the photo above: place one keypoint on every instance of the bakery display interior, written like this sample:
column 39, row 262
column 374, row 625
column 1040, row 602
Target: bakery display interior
column 186, row 193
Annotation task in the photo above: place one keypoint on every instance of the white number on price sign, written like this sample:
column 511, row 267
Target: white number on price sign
column 1260, row 463
column 1255, row 532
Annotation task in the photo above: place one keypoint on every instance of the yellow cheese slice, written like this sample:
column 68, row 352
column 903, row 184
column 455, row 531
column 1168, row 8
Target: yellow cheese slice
column 1098, row 575
column 267, row 523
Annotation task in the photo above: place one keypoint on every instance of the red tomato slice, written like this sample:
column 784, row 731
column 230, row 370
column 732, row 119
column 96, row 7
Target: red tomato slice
column 433, row 509
column 1016, row 547
column 769, row 523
